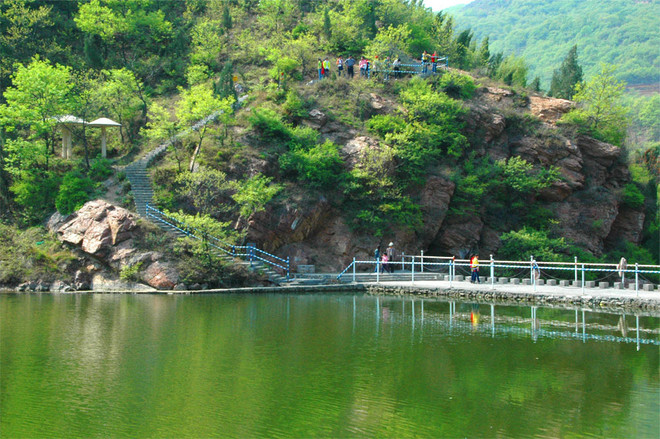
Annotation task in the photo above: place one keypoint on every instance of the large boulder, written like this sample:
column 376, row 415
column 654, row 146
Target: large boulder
column 96, row 227
column 549, row 110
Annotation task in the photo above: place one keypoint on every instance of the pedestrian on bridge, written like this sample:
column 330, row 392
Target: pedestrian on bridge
column 391, row 254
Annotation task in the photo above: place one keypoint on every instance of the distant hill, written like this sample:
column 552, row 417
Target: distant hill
column 624, row 33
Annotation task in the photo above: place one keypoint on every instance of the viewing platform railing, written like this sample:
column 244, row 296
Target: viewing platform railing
column 529, row 270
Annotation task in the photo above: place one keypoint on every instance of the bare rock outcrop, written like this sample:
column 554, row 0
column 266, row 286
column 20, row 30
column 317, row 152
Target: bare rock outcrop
column 107, row 233
column 549, row 110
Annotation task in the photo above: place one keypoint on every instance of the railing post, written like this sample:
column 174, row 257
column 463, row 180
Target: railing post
column 576, row 270
column 378, row 271
column 288, row 268
column 637, row 279
column 412, row 278
column 403, row 261
column 421, row 270
column 451, row 271
column 492, row 272
column 353, row 270
column 582, row 278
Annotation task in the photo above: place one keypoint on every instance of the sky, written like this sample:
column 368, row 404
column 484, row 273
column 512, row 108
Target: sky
column 438, row 5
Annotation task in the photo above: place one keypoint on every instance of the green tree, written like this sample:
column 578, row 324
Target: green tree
column 207, row 189
column 40, row 93
column 391, row 41
column 253, row 194
column 566, row 77
column 600, row 111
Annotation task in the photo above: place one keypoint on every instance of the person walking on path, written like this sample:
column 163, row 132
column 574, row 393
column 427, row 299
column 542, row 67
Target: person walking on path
column 391, row 255
column 474, row 266
column 340, row 66
column 621, row 270
column 377, row 257
column 385, row 263
column 434, row 62
column 320, row 69
column 363, row 67
column 536, row 271
column 350, row 62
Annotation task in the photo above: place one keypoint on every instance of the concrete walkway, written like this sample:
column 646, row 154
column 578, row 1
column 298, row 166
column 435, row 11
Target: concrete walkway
column 541, row 290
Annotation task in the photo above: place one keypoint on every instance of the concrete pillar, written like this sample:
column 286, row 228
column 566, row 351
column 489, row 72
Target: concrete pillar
column 552, row 282
column 104, row 150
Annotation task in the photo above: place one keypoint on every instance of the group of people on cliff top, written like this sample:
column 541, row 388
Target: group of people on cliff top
column 369, row 68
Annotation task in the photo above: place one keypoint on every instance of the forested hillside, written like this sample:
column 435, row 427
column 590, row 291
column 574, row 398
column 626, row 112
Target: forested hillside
column 450, row 161
column 624, row 33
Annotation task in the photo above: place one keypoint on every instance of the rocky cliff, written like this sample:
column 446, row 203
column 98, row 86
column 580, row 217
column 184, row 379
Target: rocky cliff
column 586, row 201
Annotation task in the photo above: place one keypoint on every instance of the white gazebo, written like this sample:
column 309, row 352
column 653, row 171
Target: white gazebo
column 103, row 122
column 66, row 122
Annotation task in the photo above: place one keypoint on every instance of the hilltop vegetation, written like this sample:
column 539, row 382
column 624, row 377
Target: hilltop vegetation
column 623, row 33
column 369, row 153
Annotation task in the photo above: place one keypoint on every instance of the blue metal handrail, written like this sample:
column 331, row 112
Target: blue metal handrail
column 249, row 252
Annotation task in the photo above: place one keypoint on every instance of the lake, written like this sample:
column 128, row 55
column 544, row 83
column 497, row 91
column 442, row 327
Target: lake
column 330, row 365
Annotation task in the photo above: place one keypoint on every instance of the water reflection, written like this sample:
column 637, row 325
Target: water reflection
column 312, row 365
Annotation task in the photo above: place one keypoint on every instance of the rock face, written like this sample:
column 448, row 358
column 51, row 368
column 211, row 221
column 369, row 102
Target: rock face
column 107, row 233
column 585, row 202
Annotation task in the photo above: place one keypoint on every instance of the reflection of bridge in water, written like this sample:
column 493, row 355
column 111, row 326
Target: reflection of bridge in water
column 502, row 325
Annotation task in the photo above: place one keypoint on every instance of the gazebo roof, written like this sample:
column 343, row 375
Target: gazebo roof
column 70, row 119
column 103, row 122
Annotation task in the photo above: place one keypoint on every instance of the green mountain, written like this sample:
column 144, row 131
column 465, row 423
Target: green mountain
column 624, row 33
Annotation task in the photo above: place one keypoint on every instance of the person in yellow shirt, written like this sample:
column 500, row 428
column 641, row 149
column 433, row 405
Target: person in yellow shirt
column 326, row 67
column 474, row 266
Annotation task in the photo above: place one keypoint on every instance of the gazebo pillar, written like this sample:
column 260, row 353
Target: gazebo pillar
column 104, row 149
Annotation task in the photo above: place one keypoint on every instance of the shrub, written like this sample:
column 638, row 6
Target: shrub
column 319, row 165
column 269, row 124
column 519, row 245
column 632, row 196
column 101, row 169
column 386, row 124
column 130, row 272
column 75, row 191
column 457, row 85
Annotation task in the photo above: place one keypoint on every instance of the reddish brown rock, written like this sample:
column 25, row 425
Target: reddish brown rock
column 161, row 275
column 627, row 227
column 96, row 227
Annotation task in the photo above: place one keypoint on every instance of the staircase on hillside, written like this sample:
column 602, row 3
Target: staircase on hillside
column 142, row 191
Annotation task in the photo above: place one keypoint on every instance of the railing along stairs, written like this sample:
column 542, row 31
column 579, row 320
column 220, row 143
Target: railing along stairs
column 277, row 269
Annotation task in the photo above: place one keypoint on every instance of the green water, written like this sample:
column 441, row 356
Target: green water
column 320, row 366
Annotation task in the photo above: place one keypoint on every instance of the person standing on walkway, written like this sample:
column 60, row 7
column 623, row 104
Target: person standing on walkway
column 536, row 271
column 621, row 270
column 377, row 257
column 384, row 262
column 391, row 255
column 350, row 62
column 474, row 266
column 434, row 62
column 320, row 69
column 363, row 67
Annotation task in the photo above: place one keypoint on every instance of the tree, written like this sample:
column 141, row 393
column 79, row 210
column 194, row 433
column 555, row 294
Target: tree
column 484, row 53
column 599, row 110
column 392, row 42
column 567, row 77
column 121, row 97
column 197, row 103
column 40, row 93
column 253, row 194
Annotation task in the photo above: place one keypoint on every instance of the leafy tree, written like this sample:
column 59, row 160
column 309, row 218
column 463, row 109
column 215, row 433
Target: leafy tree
column 600, row 111
column 567, row 77
column 253, row 194
column 207, row 190
column 513, row 71
column 196, row 103
column 484, row 53
column 536, row 84
column 391, row 41
column 40, row 93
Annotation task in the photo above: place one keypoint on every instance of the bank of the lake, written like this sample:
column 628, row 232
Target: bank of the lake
column 590, row 298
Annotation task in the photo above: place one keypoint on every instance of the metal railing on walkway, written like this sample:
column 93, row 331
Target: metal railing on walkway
column 530, row 270
column 249, row 253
